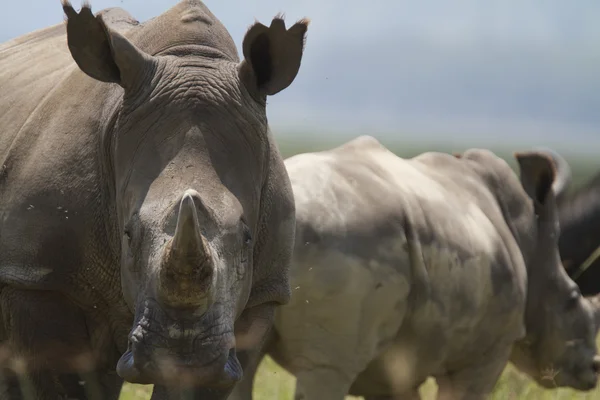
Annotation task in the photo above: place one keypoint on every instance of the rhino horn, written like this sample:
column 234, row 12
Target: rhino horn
column 187, row 271
column 188, row 243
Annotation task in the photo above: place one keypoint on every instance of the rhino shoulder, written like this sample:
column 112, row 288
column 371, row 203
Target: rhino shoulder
column 497, row 174
column 362, row 143
column 489, row 163
column 342, row 200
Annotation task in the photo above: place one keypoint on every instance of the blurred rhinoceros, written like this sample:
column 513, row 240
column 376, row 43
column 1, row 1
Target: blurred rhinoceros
column 579, row 216
column 438, row 265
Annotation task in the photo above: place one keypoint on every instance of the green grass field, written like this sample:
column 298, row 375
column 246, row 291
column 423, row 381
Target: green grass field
column 274, row 383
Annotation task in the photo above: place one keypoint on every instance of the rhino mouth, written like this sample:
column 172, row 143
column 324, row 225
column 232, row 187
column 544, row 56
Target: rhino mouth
column 587, row 375
column 180, row 349
column 590, row 378
column 184, row 371
column 583, row 377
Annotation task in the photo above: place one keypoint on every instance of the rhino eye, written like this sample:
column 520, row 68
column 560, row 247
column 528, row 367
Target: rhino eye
column 247, row 235
column 247, row 238
column 128, row 236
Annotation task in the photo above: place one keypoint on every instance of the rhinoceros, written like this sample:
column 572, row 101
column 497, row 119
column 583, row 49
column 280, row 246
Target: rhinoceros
column 146, row 217
column 435, row 266
column 579, row 218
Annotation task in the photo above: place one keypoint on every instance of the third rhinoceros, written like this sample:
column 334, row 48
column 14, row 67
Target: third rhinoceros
column 579, row 215
column 438, row 265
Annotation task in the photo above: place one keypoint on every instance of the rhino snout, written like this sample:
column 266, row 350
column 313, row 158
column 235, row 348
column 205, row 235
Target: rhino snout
column 590, row 380
column 596, row 364
column 145, row 363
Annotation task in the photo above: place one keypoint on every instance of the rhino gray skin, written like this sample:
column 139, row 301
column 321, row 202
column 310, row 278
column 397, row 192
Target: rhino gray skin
column 146, row 216
column 432, row 266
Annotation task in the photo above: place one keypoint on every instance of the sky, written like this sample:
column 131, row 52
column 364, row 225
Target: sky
column 465, row 71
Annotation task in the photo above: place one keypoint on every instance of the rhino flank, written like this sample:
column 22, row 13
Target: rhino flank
column 431, row 266
column 146, row 217
column 579, row 215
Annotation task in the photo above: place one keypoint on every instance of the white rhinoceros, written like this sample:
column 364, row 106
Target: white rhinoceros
column 146, row 217
column 438, row 265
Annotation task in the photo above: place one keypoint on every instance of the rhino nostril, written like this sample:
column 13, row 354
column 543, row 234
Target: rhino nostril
column 596, row 364
column 131, row 342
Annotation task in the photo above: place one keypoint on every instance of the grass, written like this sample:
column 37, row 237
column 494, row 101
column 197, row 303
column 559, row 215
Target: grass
column 272, row 382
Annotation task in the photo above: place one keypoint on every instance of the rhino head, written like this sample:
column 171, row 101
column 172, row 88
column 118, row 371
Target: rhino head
column 191, row 156
column 559, row 348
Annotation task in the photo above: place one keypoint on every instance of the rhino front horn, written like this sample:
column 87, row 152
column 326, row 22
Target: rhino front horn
column 188, row 243
column 187, row 270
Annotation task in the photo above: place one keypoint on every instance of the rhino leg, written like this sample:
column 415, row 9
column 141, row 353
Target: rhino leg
column 322, row 383
column 412, row 395
column 164, row 393
column 250, row 360
column 243, row 390
column 10, row 389
column 47, row 340
column 327, row 349
column 33, row 386
column 475, row 382
column 77, row 388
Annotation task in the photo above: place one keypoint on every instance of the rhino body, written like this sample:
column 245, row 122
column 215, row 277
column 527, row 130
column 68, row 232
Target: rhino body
column 146, row 217
column 579, row 243
column 432, row 266
column 579, row 216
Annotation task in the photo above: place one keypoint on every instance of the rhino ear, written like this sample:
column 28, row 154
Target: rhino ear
column 100, row 52
column 564, row 176
column 537, row 174
column 272, row 55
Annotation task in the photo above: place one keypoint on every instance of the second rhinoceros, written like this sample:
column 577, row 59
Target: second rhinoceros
column 438, row 265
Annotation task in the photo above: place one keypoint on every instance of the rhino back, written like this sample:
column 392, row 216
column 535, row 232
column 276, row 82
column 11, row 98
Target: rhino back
column 428, row 224
column 32, row 66
column 363, row 199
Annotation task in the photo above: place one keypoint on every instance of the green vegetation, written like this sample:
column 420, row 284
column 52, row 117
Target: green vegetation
column 274, row 383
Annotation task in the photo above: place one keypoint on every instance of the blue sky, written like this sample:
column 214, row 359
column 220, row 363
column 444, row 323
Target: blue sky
column 483, row 72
